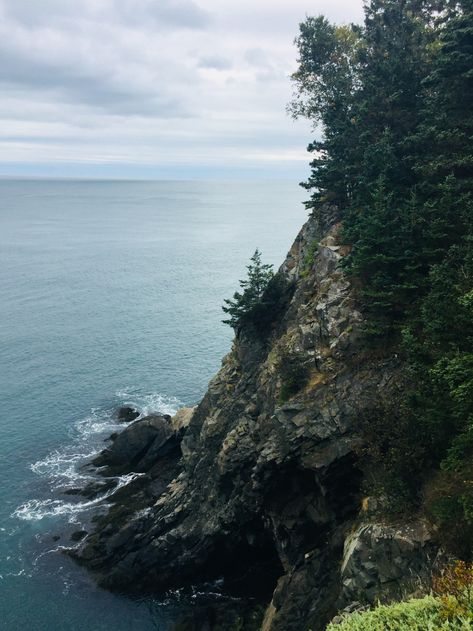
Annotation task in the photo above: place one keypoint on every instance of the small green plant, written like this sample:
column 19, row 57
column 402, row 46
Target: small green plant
column 309, row 258
column 294, row 373
column 265, row 296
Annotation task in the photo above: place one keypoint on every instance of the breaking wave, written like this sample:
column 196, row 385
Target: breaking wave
column 64, row 469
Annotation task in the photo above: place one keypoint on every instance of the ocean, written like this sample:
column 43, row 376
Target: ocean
column 111, row 294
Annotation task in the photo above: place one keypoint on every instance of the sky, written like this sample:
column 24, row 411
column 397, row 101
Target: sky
column 153, row 88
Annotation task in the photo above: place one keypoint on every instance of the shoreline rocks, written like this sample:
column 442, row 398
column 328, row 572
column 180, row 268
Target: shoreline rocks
column 137, row 447
column 127, row 414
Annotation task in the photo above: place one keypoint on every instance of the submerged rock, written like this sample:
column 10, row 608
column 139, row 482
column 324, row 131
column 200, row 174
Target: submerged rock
column 92, row 489
column 78, row 535
column 126, row 414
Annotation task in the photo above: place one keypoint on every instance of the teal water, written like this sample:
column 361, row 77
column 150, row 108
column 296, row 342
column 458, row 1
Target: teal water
column 110, row 293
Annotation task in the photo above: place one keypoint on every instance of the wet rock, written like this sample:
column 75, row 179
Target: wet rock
column 93, row 489
column 137, row 447
column 78, row 535
column 126, row 414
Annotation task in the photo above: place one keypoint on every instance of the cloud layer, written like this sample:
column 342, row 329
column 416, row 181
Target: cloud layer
column 171, row 85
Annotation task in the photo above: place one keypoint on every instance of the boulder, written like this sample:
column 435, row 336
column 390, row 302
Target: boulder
column 182, row 418
column 127, row 414
column 136, row 448
column 385, row 562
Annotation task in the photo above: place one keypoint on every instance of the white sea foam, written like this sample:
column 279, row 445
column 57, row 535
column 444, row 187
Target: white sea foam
column 64, row 467
column 149, row 403
column 144, row 512
column 34, row 510
column 123, row 480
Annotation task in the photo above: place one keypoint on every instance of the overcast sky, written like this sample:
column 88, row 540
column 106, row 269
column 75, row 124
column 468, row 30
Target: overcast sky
column 153, row 88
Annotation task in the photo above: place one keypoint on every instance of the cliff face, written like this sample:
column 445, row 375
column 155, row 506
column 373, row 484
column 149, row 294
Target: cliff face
column 264, row 488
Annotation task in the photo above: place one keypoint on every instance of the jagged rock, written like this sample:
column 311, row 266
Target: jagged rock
column 258, row 488
column 382, row 562
column 126, row 414
column 93, row 489
column 136, row 448
column 182, row 418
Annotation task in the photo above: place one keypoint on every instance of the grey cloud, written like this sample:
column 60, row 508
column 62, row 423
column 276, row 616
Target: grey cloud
column 177, row 13
column 265, row 70
column 75, row 85
column 99, row 80
column 44, row 12
column 257, row 57
column 86, row 53
column 215, row 62
column 145, row 13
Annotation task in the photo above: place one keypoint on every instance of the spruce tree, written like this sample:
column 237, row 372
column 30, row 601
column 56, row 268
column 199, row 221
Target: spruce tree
column 245, row 306
column 396, row 156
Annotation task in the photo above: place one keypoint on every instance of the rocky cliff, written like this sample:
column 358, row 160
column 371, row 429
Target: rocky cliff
column 261, row 483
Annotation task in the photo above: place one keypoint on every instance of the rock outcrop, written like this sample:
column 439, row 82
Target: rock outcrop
column 384, row 562
column 260, row 482
column 138, row 447
column 126, row 414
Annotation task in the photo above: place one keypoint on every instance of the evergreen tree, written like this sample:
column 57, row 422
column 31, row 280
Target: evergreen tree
column 394, row 101
column 447, row 129
column 245, row 307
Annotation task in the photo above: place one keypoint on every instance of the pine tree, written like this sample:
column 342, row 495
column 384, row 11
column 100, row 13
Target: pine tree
column 245, row 306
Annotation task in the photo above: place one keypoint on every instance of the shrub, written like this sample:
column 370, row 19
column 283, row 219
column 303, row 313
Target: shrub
column 393, row 454
column 309, row 258
column 448, row 499
column 424, row 614
column 454, row 587
column 294, row 373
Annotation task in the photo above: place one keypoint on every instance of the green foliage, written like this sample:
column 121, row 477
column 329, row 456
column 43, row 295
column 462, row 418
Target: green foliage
column 454, row 587
column 309, row 257
column 448, row 500
column 394, row 100
column 244, row 305
column 324, row 82
column 263, row 298
column 294, row 373
column 423, row 614
column 395, row 453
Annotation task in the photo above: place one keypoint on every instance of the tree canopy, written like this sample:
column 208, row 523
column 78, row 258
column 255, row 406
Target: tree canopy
column 391, row 101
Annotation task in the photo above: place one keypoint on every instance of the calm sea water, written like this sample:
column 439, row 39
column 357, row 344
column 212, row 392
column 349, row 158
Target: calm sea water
column 110, row 294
